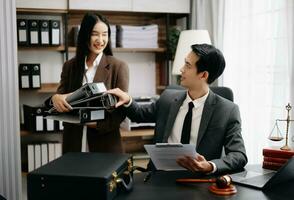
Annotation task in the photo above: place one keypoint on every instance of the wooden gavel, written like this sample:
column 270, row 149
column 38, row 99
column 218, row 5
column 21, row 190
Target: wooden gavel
column 221, row 182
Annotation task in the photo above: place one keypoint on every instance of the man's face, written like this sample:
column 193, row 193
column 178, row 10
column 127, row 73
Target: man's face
column 189, row 75
column 99, row 38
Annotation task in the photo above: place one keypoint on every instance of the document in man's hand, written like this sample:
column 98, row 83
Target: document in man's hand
column 164, row 155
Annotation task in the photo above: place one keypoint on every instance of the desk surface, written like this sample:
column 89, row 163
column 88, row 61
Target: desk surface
column 162, row 185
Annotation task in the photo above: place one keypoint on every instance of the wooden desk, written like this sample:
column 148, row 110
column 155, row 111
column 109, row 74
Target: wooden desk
column 162, row 186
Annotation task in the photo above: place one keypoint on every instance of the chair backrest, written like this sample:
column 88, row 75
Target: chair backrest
column 2, row 198
column 224, row 92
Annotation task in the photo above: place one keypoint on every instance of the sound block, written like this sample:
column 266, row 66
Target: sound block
column 231, row 189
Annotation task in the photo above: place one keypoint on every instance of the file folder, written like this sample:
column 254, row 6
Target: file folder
column 55, row 32
column 31, row 157
column 50, row 125
column 24, row 76
column 79, row 116
column 35, row 78
column 22, row 32
column 33, row 32
column 44, row 31
column 33, row 118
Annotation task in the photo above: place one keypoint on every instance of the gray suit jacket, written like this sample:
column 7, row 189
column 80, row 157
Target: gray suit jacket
column 220, row 126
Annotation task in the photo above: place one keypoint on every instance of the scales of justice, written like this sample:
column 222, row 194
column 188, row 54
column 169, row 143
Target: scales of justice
column 276, row 135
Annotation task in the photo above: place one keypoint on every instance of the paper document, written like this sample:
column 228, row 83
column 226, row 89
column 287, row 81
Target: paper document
column 164, row 155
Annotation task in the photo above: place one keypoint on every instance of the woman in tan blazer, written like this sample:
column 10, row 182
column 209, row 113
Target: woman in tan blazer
column 93, row 62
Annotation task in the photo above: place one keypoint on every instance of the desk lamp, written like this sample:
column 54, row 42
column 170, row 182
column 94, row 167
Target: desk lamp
column 186, row 39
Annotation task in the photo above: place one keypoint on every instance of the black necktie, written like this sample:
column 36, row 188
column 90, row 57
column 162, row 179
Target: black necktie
column 186, row 131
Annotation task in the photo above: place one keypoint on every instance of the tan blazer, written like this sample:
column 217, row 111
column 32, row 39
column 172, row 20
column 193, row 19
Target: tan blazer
column 106, row 137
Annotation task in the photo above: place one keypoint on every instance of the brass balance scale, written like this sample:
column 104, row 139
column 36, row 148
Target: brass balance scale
column 276, row 135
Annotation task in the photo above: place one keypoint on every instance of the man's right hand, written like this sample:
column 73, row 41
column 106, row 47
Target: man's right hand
column 123, row 97
column 60, row 104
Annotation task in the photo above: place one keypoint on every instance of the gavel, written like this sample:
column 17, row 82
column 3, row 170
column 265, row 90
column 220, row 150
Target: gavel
column 221, row 182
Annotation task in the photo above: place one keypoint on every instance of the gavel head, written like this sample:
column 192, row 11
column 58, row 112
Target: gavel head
column 223, row 181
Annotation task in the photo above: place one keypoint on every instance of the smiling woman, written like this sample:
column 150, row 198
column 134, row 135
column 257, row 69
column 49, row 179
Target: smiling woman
column 94, row 62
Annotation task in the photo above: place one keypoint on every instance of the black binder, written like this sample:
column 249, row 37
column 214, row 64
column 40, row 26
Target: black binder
column 44, row 32
column 34, row 32
column 24, row 76
column 35, row 77
column 33, row 118
column 77, row 176
column 22, row 32
column 54, row 32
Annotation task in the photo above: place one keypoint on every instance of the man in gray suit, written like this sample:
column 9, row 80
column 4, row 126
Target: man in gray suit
column 213, row 123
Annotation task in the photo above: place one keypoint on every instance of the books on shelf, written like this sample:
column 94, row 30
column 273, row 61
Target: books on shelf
column 137, row 36
column 274, row 158
column 41, row 154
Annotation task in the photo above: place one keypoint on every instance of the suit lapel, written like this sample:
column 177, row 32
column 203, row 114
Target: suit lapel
column 206, row 115
column 102, row 71
column 174, row 109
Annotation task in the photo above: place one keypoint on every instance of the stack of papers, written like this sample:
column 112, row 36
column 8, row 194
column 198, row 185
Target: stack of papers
column 138, row 36
column 164, row 155
column 113, row 36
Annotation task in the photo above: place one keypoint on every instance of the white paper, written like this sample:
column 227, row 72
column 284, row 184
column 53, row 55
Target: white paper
column 25, row 81
column 34, row 37
column 39, row 123
column 164, row 155
column 55, row 37
column 36, row 81
column 45, row 37
column 58, row 150
column 22, row 35
column 37, row 156
column 31, row 158
column 51, row 151
column 60, row 125
column 44, row 154
column 50, row 124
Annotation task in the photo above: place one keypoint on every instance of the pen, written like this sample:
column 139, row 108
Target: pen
column 147, row 177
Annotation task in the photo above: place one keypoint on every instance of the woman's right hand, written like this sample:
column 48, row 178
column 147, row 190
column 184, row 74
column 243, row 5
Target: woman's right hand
column 60, row 104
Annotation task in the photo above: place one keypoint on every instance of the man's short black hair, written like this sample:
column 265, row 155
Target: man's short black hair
column 210, row 59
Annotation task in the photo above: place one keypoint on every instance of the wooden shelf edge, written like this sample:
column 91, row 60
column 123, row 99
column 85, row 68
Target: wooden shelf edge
column 40, row 10
column 60, row 48
column 130, row 50
column 48, row 88
column 137, row 133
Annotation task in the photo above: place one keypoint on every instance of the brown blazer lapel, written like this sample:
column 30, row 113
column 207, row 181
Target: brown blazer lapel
column 102, row 71
column 206, row 115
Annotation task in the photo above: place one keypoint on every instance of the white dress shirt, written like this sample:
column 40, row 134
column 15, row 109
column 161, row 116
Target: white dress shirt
column 175, row 136
column 89, row 78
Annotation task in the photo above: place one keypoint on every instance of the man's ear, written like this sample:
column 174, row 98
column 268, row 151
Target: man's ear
column 205, row 75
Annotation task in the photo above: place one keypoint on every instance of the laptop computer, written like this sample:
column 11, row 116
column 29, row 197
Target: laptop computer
column 265, row 179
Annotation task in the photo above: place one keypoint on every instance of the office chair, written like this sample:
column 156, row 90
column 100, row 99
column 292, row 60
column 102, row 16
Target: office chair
column 2, row 198
column 224, row 92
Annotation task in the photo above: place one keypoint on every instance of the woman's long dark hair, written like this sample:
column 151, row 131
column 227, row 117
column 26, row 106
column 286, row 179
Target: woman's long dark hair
column 87, row 25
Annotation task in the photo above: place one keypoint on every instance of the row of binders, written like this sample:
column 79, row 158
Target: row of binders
column 41, row 154
column 38, row 32
column 29, row 76
column 127, row 36
column 35, row 121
